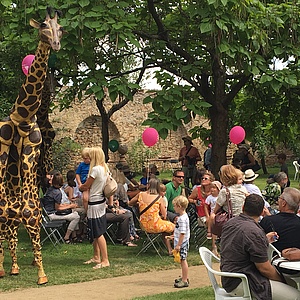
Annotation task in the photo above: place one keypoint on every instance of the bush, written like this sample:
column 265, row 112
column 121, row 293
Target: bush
column 64, row 151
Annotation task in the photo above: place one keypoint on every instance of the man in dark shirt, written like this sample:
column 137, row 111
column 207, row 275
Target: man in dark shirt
column 244, row 248
column 286, row 223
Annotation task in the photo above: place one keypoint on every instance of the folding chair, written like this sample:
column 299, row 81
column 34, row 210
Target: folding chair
column 198, row 233
column 220, row 293
column 152, row 239
column 110, row 232
column 52, row 229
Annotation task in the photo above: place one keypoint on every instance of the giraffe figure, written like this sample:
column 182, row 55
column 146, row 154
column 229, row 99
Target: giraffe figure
column 20, row 138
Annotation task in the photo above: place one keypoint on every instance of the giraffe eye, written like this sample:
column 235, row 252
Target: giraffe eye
column 61, row 29
column 43, row 25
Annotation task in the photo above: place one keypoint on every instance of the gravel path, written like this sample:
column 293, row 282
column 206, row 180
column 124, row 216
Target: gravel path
column 117, row 288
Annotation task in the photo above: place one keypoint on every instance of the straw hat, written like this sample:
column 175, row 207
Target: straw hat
column 249, row 175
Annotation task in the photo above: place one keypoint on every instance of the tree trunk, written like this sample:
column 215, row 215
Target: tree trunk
column 263, row 165
column 219, row 124
column 104, row 127
column 105, row 135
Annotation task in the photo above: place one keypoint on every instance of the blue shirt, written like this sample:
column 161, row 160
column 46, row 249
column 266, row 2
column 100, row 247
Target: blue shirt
column 83, row 171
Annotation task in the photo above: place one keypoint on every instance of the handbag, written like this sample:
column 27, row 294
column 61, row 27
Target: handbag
column 292, row 254
column 110, row 186
column 222, row 216
column 63, row 212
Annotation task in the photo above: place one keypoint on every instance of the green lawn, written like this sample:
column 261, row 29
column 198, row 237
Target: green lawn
column 65, row 265
column 205, row 293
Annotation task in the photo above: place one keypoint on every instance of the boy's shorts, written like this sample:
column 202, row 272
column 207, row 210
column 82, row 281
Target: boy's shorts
column 184, row 250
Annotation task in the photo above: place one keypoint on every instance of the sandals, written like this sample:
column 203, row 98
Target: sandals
column 209, row 236
column 91, row 261
column 129, row 244
column 100, row 266
column 68, row 241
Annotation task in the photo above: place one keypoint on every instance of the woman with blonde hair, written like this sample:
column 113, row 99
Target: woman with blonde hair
column 96, row 207
column 230, row 178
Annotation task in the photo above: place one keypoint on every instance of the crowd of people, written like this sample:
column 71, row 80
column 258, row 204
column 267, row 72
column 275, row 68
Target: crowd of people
column 163, row 209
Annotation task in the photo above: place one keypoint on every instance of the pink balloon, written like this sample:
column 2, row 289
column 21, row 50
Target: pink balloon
column 26, row 63
column 237, row 134
column 150, row 136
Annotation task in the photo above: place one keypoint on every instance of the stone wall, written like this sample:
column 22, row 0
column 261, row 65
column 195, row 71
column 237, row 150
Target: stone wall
column 82, row 123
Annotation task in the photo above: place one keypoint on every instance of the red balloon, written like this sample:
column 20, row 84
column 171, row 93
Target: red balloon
column 237, row 134
column 26, row 63
column 150, row 136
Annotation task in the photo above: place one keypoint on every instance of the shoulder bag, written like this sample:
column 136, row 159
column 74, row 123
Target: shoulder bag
column 110, row 186
column 222, row 216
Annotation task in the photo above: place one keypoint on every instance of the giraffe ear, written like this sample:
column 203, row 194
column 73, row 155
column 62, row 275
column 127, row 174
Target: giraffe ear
column 34, row 23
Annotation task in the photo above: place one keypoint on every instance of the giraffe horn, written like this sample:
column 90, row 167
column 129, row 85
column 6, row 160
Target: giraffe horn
column 49, row 10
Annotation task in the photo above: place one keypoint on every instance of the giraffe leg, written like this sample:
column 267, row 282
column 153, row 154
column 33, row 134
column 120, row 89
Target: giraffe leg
column 34, row 233
column 12, row 246
column 2, row 272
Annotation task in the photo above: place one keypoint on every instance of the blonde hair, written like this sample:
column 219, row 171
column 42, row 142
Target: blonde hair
column 229, row 175
column 97, row 157
column 211, row 179
column 162, row 187
column 181, row 201
column 85, row 152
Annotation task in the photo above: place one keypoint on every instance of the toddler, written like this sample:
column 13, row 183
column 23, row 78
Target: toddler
column 181, row 238
column 211, row 201
column 83, row 171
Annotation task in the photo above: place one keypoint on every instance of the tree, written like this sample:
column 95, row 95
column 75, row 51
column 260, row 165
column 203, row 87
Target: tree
column 217, row 47
column 207, row 51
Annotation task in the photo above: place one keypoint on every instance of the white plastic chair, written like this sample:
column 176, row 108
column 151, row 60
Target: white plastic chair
column 292, row 280
column 297, row 170
column 220, row 293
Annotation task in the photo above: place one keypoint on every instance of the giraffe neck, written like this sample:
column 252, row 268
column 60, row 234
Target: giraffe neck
column 29, row 98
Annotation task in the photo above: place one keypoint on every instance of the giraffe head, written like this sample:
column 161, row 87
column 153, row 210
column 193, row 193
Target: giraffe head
column 50, row 31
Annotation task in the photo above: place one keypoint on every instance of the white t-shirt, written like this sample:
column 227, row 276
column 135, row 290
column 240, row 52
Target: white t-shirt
column 182, row 226
column 211, row 200
column 98, row 173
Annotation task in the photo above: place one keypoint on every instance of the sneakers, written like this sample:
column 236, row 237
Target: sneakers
column 180, row 279
column 181, row 284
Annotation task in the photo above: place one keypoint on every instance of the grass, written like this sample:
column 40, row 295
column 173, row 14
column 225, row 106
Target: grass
column 206, row 293
column 65, row 265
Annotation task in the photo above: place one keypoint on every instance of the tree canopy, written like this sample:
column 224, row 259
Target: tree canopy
column 206, row 52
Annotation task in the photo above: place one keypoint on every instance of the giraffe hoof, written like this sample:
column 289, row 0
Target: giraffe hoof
column 2, row 273
column 42, row 280
column 14, row 271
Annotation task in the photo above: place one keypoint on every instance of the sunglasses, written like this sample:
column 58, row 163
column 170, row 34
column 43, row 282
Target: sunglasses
column 179, row 177
column 205, row 178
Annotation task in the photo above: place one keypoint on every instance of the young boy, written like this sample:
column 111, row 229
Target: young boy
column 82, row 172
column 181, row 238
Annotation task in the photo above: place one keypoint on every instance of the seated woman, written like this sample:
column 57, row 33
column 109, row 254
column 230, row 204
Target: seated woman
column 69, row 189
column 52, row 203
column 153, row 212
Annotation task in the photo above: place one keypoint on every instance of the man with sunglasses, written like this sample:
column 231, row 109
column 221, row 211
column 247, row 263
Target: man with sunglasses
column 286, row 223
column 174, row 189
